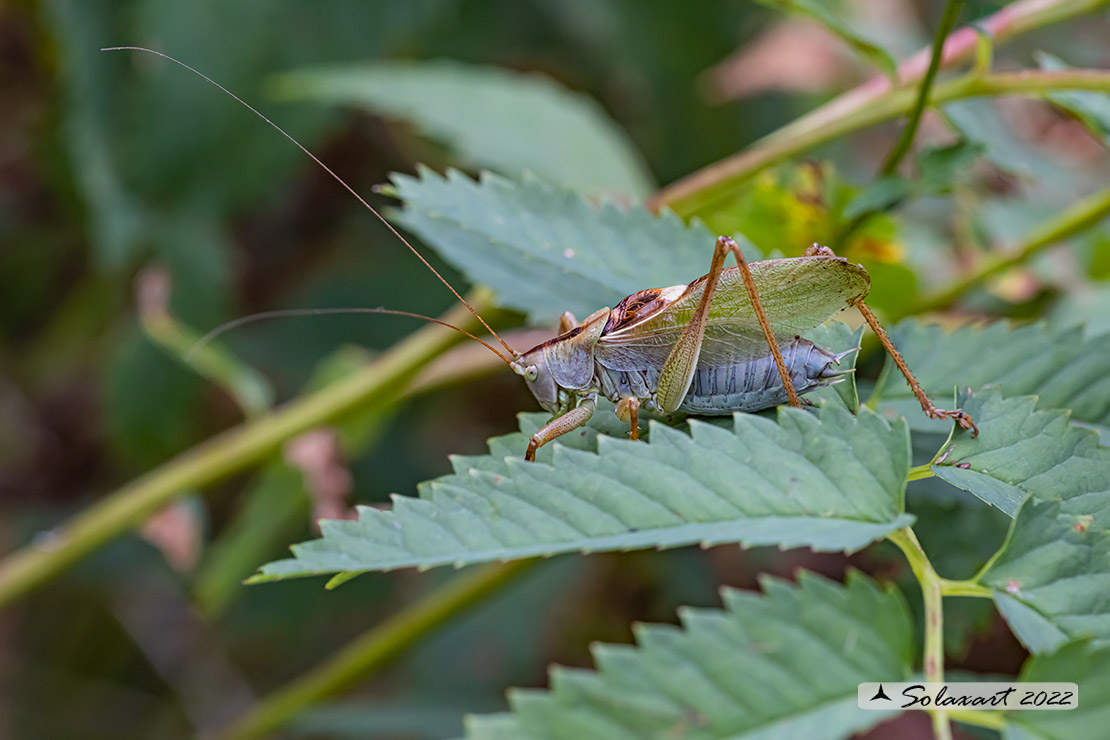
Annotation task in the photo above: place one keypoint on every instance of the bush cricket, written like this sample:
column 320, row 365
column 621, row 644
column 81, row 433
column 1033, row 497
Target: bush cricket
column 728, row 341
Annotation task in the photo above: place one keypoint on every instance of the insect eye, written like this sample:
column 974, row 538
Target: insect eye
column 531, row 373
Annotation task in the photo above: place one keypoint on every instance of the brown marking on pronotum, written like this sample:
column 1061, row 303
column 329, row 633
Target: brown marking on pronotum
column 633, row 308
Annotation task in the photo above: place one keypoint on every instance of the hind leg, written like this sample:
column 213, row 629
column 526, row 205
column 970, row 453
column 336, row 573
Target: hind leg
column 930, row 409
column 561, row 425
column 678, row 370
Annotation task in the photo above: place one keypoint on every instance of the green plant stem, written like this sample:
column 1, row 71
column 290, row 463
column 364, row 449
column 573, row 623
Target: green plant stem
column 223, row 455
column 932, row 592
column 919, row 472
column 877, row 100
column 979, row 718
column 1078, row 217
column 787, row 142
column 373, row 650
column 905, row 141
column 246, row 386
column 965, row 588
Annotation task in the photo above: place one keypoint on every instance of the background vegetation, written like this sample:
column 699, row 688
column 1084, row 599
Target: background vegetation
column 139, row 206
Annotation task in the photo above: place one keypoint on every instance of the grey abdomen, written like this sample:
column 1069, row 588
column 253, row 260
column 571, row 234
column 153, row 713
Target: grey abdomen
column 743, row 386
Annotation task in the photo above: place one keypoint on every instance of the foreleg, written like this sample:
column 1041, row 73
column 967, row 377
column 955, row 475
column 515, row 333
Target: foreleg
column 560, row 425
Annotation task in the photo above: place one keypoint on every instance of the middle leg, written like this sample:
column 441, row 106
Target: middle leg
column 628, row 410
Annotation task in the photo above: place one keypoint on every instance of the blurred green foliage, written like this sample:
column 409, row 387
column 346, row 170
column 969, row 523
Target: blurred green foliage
column 112, row 163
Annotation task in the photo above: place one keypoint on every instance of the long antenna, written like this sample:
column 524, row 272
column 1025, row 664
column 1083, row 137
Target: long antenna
column 342, row 182
column 288, row 312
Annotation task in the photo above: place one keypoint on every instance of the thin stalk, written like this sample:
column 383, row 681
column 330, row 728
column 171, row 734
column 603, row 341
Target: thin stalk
column 785, row 143
column 373, row 650
column 919, row 472
column 931, row 590
column 246, row 386
column 965, row 588
column 865, row 105
column 905, row 141
column 979, row 718
column 1079, row 217
column 222, row 456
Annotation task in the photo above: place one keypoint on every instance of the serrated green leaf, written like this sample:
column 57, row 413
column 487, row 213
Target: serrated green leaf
column 1077, row 662
column 491, row 117
column 1037, row 632
column 544, row 249
column 827, row 17
column 1023, row 452
column 744, row 673
column 1055, row 364
column 1092, row 109
column 1057, row 566
column 831, row 481
column 838, row 337
column 1052, row 575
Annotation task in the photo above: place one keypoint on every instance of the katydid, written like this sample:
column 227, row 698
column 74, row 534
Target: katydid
column 728, row 341
column 707, row 347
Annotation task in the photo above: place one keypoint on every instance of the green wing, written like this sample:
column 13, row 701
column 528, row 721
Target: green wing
column 797, row 294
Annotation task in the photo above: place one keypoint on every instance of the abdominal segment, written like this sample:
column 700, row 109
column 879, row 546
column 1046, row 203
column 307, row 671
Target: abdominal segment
column 751, row 385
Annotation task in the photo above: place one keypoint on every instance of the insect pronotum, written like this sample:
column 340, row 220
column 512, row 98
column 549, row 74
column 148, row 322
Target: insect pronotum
column 728, row 341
